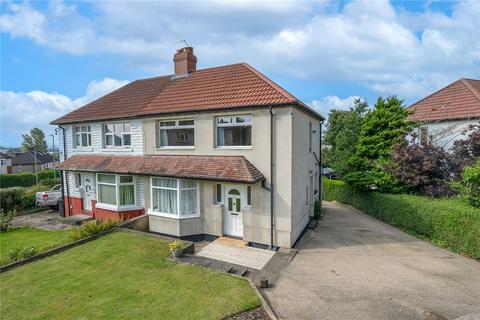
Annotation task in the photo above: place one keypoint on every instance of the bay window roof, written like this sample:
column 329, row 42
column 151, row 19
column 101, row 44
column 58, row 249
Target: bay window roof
column 216, row 168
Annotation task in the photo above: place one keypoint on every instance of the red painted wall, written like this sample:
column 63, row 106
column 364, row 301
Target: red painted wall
column 98, row 213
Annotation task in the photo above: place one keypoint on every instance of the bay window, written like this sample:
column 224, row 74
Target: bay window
column 235, row 130
column 174, row 197
column 115, row 190
column 117, row 134
column 82, row 136
column 176, row 133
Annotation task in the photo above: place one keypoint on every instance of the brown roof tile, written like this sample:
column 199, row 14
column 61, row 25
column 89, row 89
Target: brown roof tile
column 219, row 88
column 217, row 168
column 459, row 100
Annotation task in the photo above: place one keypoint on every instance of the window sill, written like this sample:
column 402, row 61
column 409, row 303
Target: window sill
column 117, row 149
column 82, row 149
column 116, row 208
column 234, row 148
column 177, row 148
column 171, row 216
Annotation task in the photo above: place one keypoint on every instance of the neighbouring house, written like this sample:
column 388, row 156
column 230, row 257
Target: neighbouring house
column 32, row 162
column 5, row 163
column 208, row 152
column 447, row 113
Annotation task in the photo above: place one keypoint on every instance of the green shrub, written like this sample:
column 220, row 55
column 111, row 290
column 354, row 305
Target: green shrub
column 446, row 222
column 469, row 184
column 11, row 198
column 26, row 179
column 91, row 228
column 50, row 182
column 19, row 254
column 6, row 218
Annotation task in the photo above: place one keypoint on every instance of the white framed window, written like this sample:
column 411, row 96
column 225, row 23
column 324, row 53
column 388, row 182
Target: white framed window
column 176, row 198
column 115, row 190
column 19, row 168
column 234, row 130
column 78, row 180
column 249, row 195
column 218, row 193
column 3, row 163
column 117, row 134
column 82, row 136
column 176, row 133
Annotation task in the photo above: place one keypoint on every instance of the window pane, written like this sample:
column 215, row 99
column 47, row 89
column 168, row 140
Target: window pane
column 177, row 137
column 167, row 123
column 89, row 139
column 243, row 119
column 188, row 202
column 234, row 136
column 77, row 140
column 106, row 178
column 185, row 122
column 84, row 140
column 84, row 129
column 249, row 195
column 118, row 140
column 234, row 192
column 237, row 203
column 219, row 193
column 118, row 127
column 126, row 179
column 165, row 201
column 230, row 201
column 77, row 129
column 221, row 120
column 106, row 194
column 127, row 127
column 109, row 140
column 188, row 184
column 165, row 183
column 127, row 195
column 109, row 128
column 127, row 140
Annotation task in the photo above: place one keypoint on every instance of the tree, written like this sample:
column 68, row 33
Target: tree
column 381, row 130
column 342, row 135
column 34, row 140
column 466, row 151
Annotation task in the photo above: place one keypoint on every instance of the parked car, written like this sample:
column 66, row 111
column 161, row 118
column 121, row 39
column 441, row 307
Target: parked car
column 49, row 198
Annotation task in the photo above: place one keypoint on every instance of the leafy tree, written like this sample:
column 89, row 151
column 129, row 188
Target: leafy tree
column 34, row 140
column 381, row 130
column 423, row 169
column 342, row 134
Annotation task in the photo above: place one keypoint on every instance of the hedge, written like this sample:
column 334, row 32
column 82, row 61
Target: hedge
column 26, row 179
column 449, row 222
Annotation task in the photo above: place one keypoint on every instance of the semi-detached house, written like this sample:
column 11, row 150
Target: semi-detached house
column 222, row 151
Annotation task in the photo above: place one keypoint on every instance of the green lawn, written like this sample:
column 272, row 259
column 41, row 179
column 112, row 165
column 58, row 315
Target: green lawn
column 120, row 276
column 28, row 237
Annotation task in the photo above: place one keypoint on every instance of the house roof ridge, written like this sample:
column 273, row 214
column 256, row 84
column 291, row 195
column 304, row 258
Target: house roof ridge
column 466, row 83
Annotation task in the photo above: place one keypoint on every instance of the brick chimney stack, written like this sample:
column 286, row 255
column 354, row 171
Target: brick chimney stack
column 185, row 62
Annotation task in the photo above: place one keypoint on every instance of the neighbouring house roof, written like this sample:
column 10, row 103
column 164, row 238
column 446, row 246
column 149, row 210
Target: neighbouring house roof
column 217, row 168
column 29, row 156
column 219, row 88
column 458, row 100
column 4, row 156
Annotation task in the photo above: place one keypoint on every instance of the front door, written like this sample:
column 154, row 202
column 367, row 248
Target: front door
column 233, row 225
column 87, row 192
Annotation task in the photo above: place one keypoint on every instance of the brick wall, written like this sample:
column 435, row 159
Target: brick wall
column 76, row 205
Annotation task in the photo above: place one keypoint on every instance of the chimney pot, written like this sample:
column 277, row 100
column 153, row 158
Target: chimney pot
column 184, row 61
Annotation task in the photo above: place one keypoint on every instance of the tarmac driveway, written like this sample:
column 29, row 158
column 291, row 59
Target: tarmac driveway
column 353, row 266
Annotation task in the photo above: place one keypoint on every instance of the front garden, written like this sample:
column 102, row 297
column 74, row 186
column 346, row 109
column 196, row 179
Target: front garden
column 122, row 275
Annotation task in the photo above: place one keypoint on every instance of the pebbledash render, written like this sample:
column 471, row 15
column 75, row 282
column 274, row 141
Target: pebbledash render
column 222, row 151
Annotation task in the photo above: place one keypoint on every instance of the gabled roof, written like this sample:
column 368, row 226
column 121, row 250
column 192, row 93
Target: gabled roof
column 219, row 88
column 216, row 168
column 458, row 100
column 29, row 156
column 4, row 156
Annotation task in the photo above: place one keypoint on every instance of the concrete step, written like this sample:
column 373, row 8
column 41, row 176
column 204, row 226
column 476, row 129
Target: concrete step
column 77, row 219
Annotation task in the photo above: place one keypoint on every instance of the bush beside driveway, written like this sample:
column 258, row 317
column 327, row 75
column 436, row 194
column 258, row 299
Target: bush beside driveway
column 120, row 276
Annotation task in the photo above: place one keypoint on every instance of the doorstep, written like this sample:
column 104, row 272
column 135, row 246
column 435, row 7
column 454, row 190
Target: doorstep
column 236, row 252
column 77, row 219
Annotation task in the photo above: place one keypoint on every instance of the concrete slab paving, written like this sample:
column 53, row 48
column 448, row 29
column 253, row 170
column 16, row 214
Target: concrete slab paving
column 232, row 252
column 47, row 220
column 353, row 266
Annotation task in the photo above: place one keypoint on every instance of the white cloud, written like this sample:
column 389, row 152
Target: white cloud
column 371, row 43
column 38, row 108
column 328, row 103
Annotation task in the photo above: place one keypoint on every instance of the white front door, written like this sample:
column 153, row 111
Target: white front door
column 87, row 184
column 233, row 225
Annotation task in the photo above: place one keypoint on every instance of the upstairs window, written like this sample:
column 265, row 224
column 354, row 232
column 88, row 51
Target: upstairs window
column 117, row 134
column 177, row 133
column 83, row 136
column 234, row 131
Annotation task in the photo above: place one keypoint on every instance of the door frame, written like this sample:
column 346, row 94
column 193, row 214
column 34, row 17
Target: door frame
column 87, row 194
column 243, row 201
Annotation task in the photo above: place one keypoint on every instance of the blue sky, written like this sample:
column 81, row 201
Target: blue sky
column 57, row 56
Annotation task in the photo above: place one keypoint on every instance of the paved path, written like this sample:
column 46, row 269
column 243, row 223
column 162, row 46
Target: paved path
column 355, row 267
column 47, row 219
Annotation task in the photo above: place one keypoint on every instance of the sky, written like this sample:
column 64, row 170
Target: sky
column 57, row 56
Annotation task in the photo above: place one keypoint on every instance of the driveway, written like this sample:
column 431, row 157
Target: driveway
column 353, row 266
column 47, row 219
